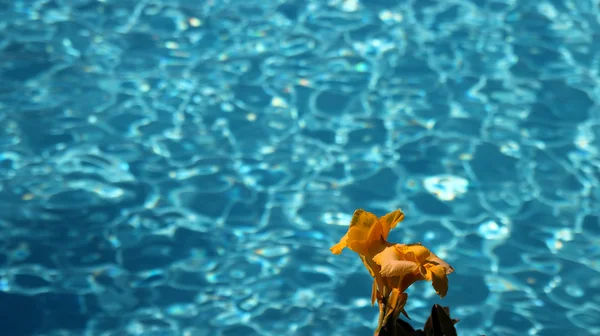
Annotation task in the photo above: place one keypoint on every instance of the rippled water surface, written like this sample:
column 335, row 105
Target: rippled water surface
column 182, row 167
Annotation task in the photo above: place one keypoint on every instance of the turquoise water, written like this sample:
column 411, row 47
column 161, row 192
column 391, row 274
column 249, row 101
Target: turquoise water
column 182, row 167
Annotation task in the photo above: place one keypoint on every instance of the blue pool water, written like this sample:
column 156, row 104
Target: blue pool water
column 182, row 167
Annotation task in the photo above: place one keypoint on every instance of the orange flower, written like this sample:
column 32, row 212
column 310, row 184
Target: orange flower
column 411, row 263
column 394, row 266
column 367, row 236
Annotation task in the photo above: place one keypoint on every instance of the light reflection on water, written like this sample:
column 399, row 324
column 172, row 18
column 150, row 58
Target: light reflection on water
column 176, row 167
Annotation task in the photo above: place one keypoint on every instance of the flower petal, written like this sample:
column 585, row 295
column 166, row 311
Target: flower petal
column 421, row 252
column 409, row 279
column 433, row 259
column 337, row 248
column 364, row 228
column 364, row 260
column 359, row 230
column 439, row 280
column 390, row 220
column 392, row 264
column 361, row 224
column 398, row 268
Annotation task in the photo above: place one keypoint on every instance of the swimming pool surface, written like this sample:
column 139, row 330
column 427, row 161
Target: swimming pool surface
column 182, row 167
